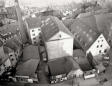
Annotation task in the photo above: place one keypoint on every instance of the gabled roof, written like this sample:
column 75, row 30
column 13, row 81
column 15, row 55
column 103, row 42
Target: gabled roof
column 60, row 66
column 11, row 11
column 11, row 43
column 9, row 28
column 83, row 34
column 27, row 68
column 52, row 26
column 30, row 52
column 33, row 22
column 3, row 54
column 68, row 22
column 90, row 21
column 104, row 23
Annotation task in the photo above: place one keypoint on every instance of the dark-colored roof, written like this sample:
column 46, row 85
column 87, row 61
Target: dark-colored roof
column 78, row 53
column 27, row 68
column 83, row 34
column 11, row 11
column 13, row 27
column 1, row 43
column 33, row 22
column 80, row 57
column 68, row 22
column 3, row 54
column 12, row 44
column 30, row 52
column 104, row 23
column 52, row 26
column 60, row 66
column 90, row 21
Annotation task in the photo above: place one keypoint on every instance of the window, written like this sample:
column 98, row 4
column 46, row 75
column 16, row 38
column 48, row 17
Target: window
column 35, row 42
column 34, row 38
column 60, row 35
column 33, row 30
column 33, row 34
column 99, row 51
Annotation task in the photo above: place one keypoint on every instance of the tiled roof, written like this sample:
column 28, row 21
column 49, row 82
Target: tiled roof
column 27, row 68
column 33, row 22
column 90, row 21
column 12, row 44
column 52, row 26
column 60, row 66
column 83, row 34
column 104, row 23
column 68, row 22
column 9, row 28
column 11, row 11
column 30, row 52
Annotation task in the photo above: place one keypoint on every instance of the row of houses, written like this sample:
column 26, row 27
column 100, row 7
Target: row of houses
column 86, row 36
column 11, row 46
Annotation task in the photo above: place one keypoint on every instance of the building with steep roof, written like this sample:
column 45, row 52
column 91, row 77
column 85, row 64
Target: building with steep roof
column 88, row 37
column 58, row 39
column 33, row 28
column 29, row 62
column 10, row 31
column 30, row 52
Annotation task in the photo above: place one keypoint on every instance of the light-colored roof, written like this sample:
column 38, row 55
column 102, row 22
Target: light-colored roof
column 53, row 26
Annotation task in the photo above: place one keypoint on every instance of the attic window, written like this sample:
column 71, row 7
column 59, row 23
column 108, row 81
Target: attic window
column 33, row 34
column 12, row 59
column 34, row 38
column 60, row 35
column 35, row 42
column 33, row 30
column 39, row 29
column 10, row 55
column 99, row 51
column 101, row 45
column 105, row 51
column 97, row 46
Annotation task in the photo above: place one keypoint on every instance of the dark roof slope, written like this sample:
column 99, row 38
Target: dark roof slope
column 30, row 52
column 90, row 21
column 9, row 28
column 27, row 68
column 52, row 26
column 83, row 34
column 60, row 66
column 33, row 22
column 104, row 23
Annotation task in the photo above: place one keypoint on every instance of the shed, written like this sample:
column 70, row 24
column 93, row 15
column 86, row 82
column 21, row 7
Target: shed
column 58, row 39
